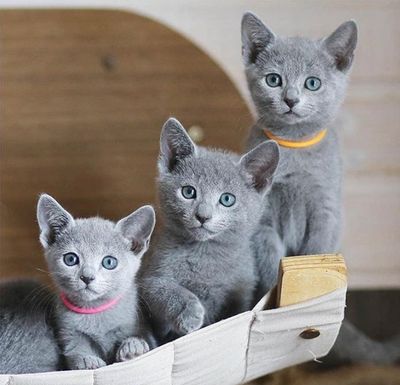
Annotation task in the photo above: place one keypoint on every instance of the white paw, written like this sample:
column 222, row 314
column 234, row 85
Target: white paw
column 130, row 348
column 191, row 318
column 79, row 362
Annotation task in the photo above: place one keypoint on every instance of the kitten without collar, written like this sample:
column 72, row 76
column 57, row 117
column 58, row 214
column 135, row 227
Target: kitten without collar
column 200, row 269
column 94, row 261
column 27, row 331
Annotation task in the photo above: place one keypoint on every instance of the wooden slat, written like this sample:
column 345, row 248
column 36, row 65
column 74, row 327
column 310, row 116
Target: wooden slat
column 306, row 277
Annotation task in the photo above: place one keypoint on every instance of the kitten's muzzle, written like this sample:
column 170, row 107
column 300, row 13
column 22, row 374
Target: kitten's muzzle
column 291, row 102
column 202, row 218
column 86, row 279
column 291, row 97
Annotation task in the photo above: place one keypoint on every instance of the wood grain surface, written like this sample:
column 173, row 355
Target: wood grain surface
column 83, row 97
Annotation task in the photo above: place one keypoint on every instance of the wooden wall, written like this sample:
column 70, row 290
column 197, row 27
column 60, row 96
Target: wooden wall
column 83, row 97
column 371, row 131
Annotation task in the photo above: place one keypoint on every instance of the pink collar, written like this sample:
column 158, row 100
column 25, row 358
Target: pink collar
column 88, row 310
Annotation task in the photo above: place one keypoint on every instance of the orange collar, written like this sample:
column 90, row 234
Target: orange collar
column 297, row 143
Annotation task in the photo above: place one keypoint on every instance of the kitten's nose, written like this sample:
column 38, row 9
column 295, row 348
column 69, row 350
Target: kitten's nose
column 291, row 102
column 202, row 219
column 86, row 279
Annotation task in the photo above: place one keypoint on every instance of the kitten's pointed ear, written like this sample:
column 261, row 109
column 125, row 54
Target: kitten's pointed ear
column 255, row 37
column 175, row 145
column 137, row 228
column 53, row 219
column 341, row 45
column 260, row 164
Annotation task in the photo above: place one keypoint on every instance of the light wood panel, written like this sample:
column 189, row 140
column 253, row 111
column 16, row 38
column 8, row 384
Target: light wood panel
column 83, row 97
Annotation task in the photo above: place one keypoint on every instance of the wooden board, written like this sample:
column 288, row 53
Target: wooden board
column 305, row 277
column 83, row 97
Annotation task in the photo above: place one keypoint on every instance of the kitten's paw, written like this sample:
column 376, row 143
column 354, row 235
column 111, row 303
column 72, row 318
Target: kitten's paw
column 191, row 318
column 84, row 362
column 130, row 348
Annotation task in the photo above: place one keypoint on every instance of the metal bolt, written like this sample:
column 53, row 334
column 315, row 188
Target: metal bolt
column 309, row 334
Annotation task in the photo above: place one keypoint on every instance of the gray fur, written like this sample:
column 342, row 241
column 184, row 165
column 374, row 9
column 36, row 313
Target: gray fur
column 303, row 209
column 27, row 340
column 198, row 274
column 90, row 341
column 352, row 345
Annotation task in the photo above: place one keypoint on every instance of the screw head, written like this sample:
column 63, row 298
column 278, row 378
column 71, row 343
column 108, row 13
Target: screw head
column 309, row 334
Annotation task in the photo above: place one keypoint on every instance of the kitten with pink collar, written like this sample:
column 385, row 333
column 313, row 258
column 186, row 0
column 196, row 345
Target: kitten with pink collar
column 94, row 263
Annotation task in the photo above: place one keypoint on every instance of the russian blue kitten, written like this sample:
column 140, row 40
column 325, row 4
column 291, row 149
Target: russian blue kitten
column 94, row 261
column 200, row 269
column 27, row 338
column 297, row 86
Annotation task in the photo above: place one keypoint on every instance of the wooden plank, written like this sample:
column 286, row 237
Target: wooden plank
column 305, row 277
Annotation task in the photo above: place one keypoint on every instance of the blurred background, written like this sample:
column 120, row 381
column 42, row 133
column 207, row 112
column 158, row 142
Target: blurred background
column 86, row 85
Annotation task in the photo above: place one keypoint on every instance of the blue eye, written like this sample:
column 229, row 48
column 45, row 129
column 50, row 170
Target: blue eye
column 189, row 192
column 71, row 259
column 312, row 83
column 273, row 80
column 227, row 199
column 109, row 263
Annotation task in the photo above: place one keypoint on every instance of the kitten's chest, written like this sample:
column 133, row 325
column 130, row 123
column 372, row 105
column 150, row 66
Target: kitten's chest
column 307, row 182
column 103, row 331
column 212, row 271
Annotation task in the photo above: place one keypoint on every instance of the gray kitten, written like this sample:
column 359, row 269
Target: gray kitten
column 27, row 338
column 297, row 86
column 94, row 262
column 201, row 268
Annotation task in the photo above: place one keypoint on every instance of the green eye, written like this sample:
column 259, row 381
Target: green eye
column 273, row 80
column 312, row 83
column 227, row 199
column 71, row 259
column 189, row 192
column 109, row 263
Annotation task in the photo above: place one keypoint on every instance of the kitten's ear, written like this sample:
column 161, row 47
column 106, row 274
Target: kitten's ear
column 52, row 219
column 260, row 164
column 341, row 45
column 138, row 227
column 175, row 145
column 255, row 37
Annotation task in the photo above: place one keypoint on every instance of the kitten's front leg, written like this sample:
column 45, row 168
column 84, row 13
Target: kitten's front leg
column 130, row 348
column 173, row 304
column 269, row 250
column 78, row 352
column 82, row 362
column 323, row 231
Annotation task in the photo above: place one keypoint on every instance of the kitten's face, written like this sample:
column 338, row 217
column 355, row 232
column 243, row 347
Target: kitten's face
column 296, row 82
column 206, row 193
column 92, row 260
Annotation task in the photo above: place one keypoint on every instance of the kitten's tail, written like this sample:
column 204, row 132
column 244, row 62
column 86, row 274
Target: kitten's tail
column 353, row 346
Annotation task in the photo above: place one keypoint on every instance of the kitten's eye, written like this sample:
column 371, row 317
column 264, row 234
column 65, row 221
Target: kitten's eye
column 274, row 80
column 71, row 259
column 109, row 262
column 227, row 199
column 189, row 192
column 312, row 83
